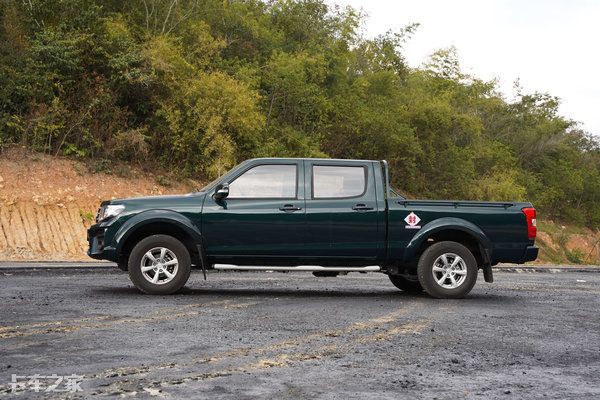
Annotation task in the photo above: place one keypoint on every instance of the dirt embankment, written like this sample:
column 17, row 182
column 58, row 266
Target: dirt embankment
column 47, row 203
column 561, row 244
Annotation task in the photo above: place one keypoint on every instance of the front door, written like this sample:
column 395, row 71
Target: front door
column 262, row 218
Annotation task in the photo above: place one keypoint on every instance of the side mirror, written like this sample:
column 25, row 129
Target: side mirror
column 221, row 191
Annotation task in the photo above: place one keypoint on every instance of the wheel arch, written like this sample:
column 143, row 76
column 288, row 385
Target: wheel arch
column 455, row 230
column 154, row 222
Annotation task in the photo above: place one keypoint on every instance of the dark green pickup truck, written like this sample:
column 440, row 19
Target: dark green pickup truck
column 320, row 215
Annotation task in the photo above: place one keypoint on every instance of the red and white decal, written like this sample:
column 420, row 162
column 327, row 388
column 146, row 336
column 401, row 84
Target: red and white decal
column 413, row 221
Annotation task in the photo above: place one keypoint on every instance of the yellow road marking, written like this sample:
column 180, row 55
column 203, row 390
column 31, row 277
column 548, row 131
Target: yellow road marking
column 54, row 323
column 62, row 327
column 193, row 305
column 285, row 358
column 282, row 357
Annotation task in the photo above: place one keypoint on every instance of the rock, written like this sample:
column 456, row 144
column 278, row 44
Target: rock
column 153, row 391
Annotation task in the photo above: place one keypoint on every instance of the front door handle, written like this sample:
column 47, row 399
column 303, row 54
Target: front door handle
column 289, row 208
column 361, row 207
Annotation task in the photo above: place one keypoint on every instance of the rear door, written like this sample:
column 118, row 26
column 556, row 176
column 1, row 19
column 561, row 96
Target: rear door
column 342, row 216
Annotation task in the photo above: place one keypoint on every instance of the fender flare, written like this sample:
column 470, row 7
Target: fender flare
column 451, row 223
column 153, row 216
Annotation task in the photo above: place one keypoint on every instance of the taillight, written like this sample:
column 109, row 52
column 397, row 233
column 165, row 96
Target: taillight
column 531, row 223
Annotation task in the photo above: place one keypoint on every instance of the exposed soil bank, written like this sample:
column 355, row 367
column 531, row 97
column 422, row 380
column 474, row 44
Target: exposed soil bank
column 47, row 203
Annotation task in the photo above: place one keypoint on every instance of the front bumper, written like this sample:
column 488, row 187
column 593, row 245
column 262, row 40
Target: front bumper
column 97, row 245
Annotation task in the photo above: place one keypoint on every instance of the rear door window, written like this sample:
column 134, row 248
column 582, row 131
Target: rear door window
column 338, row 182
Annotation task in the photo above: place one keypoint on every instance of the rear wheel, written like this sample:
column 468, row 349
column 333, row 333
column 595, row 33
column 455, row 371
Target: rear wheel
column 159, row 264
column 405, row 284
column 447, row 270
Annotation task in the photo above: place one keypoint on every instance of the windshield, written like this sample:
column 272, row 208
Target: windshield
column 222, row 178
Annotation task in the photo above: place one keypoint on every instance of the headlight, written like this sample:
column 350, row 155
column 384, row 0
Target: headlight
column 108, row 211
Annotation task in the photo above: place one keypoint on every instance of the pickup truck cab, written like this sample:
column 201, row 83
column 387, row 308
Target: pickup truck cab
column 321, row 215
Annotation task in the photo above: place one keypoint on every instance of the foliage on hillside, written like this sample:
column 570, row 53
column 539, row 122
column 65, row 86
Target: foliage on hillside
column 195, row 86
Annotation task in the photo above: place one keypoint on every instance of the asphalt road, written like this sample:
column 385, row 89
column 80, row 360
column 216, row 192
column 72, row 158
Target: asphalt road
column 292, row 335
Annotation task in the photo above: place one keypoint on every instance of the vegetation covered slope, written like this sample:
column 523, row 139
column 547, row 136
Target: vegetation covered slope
column 195, row 86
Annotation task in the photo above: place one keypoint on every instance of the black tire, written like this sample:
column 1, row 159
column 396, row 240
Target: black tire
column 122, row 264
column 159, row 264
column 449, row 279
column 405, row 284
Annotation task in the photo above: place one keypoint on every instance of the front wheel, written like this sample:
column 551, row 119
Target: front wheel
column 405, row 284
column 447, row 270
column 159, row 264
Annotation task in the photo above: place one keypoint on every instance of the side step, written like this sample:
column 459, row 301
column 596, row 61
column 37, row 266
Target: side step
column 369, row 268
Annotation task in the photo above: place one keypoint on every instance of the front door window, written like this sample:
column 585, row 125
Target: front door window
column 265, row 181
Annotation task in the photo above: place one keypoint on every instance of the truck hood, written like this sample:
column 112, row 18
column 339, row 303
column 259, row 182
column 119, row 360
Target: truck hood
column 151, row 202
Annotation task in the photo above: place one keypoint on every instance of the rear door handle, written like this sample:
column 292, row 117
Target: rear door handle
column 361, row 207
column 289, row 208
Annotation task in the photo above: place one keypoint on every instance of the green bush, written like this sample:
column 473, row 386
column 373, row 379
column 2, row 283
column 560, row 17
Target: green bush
column 575, row 256
column 102, row 165
column 161, row 180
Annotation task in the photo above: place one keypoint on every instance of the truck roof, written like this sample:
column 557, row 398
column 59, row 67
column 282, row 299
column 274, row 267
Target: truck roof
column 309, row 158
